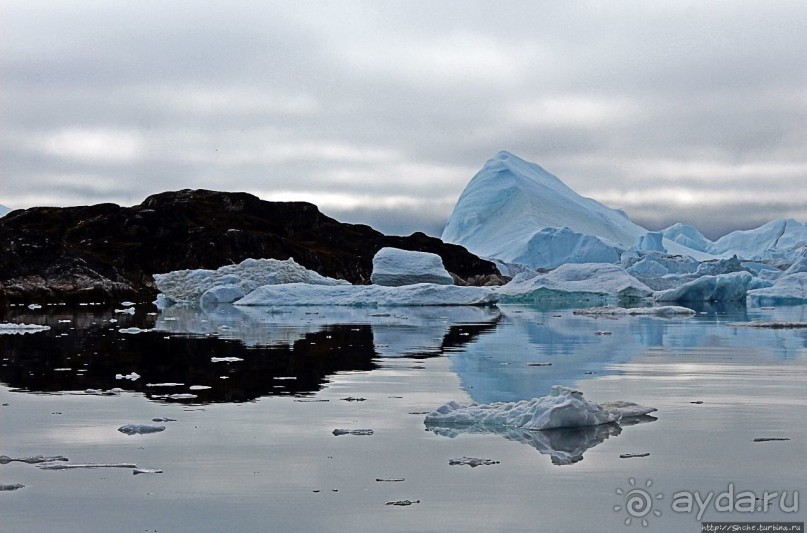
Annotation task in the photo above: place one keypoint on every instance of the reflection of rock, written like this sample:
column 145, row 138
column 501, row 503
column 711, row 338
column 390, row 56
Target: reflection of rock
column 565, row 446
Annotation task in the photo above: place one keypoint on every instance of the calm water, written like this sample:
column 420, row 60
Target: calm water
column 254, row 449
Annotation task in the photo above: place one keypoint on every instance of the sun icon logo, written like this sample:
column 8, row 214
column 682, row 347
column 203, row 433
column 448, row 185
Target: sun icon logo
column 638, row 502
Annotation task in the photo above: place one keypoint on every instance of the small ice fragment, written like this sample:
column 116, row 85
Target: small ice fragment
column 140, row 429
column 146, row 471
column 697, row 402
column 632, row 455
column 163, row 419
column 13, row 486
column 67, row 321
column 68, row 466
column 601, row 332
column 540, row 363
column 131, row 331
column 402, row 502
column 34, row 306
column 5, row 459
column 354, row 399
column 768, row 439
column 225, row 359
column 182, row 396
column 134, row 376
column 8, row 328
column 391, row 480
column 471, row 461
column 127, row 311
column 127, row 304
column 165, row 384
column 113, row 320
column 200, row 387
column 338, row 432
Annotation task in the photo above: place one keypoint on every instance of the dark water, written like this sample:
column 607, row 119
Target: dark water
column 250, row 444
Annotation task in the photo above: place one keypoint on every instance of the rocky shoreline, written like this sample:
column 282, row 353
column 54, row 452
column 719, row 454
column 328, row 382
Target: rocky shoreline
column 107, row 253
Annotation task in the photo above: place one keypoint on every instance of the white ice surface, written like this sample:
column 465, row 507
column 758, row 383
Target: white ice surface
column 368, row 295
column 562, row 408
column 394, row 267
column 791, row 288
column 190, row 285
column 7, row 328
column 612, row 311
column 723, row 288
column 572, row 281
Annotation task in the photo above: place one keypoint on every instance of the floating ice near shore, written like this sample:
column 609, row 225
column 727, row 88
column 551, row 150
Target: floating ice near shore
column 611, row 311
column 562, row 408
column 368, row 295
column 394, row 267
column 191, row 285
column 20, row 329
column 574, row 281
column 140, row 429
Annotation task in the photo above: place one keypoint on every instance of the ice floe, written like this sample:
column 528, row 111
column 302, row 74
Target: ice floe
column 140, row 429
column 11, row 486
column 471, row 461
column 788, row 289
column 190, row 285
column 7, row 328
column 73, row 466
column 562, row 408
column 338, row 432
column 5, row 459
column 395, row 267
column 425, row 294
column 613, row 311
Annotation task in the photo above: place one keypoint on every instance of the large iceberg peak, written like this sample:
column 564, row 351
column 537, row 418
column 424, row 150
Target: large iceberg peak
column 510, row 200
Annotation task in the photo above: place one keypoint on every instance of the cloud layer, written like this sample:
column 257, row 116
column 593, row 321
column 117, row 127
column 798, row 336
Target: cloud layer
column 381, row 112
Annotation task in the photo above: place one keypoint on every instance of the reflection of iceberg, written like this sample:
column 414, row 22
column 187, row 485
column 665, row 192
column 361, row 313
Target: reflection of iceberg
column 563, row 424
column 565, row 446
column 396, row 331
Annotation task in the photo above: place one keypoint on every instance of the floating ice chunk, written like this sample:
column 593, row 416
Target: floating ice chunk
column 140, row 429
column 127, row 303
column 182, row 396
column 791, row 288
column 471, row 461
column 34, row 306
column 165, row 384
column 133, row 376
column 137, row 471
column 394, row 267
column 402, row 502
column 5, row 459
column 722, row 288
column 663, row 311
column 12, row 486
column 338, row 432
column 562, row 408
column 225, row 359
column 132, row 331
column 769, row 325
column 19, row 329
column 422, row 294
column 69, row 466
column 190, row 285
column 574, row 281
column 127, row 311
column 199, row 387
column 163, row 419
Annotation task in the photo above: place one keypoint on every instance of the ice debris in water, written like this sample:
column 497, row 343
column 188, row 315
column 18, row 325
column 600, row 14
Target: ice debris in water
column 225, row 359
column 69, row 466
column 132, row 331
column 338, row 432
column 5, row 459
column 471, row 461
column 127, row 311
column 12, row 486
column 139, row 429
column 562, row 408
column 133, row 376
column 402, row 502
column 7, row 328
column 163, row 419
column 663, row 311
column 146, row 471
column 99, row 392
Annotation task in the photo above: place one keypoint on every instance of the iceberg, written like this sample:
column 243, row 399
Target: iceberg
column 778, row 239
column 688, row 236
column 368, row 295
column 562, row 408
column 19, row 329
column 517, row 212
column 574, row 282
column 4, row 210
column 394, row 267
column 789, row 289
column 721, row 288
column 189, row 286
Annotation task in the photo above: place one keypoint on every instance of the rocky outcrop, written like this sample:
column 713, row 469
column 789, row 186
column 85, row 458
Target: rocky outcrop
column 106, row 252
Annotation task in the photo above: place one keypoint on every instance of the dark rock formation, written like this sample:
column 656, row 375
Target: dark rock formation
column 106, row 252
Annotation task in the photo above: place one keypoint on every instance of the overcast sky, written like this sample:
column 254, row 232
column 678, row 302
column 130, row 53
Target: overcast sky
column 381, row 112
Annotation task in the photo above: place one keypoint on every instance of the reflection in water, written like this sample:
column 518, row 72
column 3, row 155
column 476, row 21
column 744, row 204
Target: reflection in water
column 531, row 351
column 565, row 446
column 224, row 355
